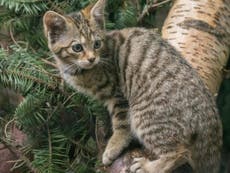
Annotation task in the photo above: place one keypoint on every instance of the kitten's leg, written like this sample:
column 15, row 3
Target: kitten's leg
column 121, row 137
column 119, row 140
column 165, row 164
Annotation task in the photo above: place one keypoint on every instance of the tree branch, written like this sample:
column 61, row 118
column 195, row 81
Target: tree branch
column 19, row 154
column 150, row 9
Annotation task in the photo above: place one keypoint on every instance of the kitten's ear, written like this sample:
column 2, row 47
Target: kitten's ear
column 54, row 23
column 56, row 28
column 97, row 14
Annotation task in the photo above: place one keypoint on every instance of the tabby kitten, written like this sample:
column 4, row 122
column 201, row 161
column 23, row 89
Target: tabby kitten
column 151, row 92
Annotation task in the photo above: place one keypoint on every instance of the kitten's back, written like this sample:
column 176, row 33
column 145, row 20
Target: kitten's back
column 169, row 104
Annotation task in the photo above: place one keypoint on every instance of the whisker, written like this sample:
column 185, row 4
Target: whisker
column 71, row 69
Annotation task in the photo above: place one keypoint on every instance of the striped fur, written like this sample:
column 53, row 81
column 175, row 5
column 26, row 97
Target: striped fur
column 151, row 92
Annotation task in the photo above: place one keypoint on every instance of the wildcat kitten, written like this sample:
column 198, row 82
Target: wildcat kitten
column 151, row 92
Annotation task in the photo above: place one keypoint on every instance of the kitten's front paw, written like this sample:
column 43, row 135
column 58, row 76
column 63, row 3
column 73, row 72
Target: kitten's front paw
column 138, row 165
column 110, row 155
column 118, row 141
column 144, row 165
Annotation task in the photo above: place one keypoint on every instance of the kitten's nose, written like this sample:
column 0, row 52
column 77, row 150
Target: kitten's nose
column 91, row 60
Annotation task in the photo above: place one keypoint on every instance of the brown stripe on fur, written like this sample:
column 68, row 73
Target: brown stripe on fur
column 128, row 45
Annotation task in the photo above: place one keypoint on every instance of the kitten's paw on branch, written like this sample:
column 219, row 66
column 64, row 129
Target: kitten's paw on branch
column 113, row 150
column 119, row 140
column 144, row 165
column 110, row 155
column 137, row 166
column 167, row 163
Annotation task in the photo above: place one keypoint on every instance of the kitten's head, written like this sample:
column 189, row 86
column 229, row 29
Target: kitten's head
column 76, row 39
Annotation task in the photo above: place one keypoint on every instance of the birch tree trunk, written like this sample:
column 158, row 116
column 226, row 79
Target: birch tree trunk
column 200, row 30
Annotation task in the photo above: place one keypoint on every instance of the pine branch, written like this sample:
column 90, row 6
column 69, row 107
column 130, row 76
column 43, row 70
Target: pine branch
column 31, row 7
column 49, row 63
column 28, row 77
column 150, row 9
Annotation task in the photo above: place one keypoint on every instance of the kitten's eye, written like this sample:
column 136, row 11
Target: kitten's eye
column 97, row 44
column 77, row 48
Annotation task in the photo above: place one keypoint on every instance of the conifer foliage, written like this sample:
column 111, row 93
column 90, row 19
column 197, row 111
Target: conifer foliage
column 56, row 120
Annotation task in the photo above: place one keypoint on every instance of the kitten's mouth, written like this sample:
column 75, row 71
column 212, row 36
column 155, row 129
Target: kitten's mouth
column 87, row 65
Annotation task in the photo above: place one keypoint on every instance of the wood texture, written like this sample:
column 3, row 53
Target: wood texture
column 200, row 30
